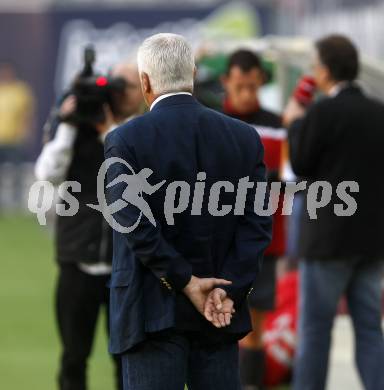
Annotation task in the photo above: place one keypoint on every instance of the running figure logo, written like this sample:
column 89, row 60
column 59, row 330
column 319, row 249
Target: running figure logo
column 136, row 185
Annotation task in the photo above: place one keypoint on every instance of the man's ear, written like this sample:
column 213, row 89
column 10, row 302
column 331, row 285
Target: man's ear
column 145, row 83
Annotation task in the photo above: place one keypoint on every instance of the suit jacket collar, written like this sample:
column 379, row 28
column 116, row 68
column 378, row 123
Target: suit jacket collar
column 174, row 100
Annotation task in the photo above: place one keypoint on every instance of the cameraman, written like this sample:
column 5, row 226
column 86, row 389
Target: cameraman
column 83, row 242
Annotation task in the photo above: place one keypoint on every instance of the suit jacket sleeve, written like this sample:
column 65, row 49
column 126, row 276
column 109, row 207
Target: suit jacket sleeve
column 146, row 240
column 307, row 137
column 253, row 235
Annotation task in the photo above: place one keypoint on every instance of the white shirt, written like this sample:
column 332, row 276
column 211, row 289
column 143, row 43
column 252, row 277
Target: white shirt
column 56, row 157
column 335, row 90
column 161, row 97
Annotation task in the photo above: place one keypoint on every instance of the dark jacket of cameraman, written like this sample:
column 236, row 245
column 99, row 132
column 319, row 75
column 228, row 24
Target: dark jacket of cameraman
column 76, row 155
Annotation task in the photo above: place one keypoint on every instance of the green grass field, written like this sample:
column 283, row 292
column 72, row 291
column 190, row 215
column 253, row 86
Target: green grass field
column 29, row 345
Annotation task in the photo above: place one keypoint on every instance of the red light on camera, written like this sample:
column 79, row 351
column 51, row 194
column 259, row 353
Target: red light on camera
column 101, row 81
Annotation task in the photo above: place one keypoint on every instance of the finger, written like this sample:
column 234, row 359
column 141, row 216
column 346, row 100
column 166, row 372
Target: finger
column 216, row 320
column 221, row 319
column 219, row 282
column 208, row 310
column 228, row 318
column 230, row 308
column 207, row 284
column 217, row 296
column 208, row 315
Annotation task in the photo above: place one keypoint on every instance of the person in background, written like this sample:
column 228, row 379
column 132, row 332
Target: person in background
column 340, row 138
column 16, row 111
column 132, row 103
column 242, row 81
column 83, row 241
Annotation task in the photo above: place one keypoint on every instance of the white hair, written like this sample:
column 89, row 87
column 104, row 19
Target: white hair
column 168, row 61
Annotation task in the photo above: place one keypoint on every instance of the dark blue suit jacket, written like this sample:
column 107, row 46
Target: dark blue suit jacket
column 178, row 139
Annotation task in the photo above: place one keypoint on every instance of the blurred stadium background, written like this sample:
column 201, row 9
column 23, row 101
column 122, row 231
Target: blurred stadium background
column 43, row 41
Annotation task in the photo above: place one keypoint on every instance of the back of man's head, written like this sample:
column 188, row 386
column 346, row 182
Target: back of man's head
column 168, row 61
column 340, row 56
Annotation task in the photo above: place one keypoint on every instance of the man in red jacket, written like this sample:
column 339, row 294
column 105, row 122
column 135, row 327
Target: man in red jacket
column 242, row 81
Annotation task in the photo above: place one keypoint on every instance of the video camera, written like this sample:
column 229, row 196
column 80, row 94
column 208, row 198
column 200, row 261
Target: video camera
column 92, row 91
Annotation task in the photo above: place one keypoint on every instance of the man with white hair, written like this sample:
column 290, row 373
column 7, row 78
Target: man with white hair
column 178, row 290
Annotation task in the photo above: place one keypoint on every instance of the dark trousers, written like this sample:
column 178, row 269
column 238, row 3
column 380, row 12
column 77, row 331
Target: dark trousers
column 78, row 302
column 169, row 360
